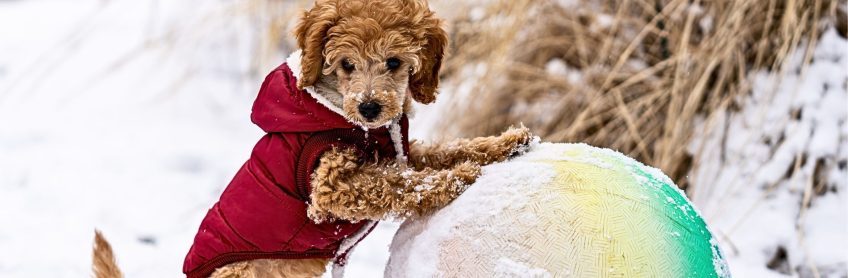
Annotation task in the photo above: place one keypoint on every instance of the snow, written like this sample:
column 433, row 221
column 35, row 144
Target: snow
column 509, row 268
column 754, row 184
column 130, row 117
column 558, row 67
column 502, row 187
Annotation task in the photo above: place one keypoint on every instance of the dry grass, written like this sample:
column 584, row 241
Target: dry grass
column 637, row 74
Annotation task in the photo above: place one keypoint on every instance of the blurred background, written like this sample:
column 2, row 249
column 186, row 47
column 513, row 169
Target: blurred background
column 132, row 115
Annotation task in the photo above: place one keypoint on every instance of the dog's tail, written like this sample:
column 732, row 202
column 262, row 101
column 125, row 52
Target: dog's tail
column 103, row 260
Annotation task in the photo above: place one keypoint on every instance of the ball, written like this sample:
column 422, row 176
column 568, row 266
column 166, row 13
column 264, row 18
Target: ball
column 561, row 210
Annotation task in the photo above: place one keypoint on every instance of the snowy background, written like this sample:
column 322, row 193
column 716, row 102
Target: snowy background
column 132, row 116
column 128, row 116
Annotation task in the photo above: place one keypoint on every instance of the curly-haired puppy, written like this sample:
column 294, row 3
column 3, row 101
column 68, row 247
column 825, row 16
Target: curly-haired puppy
column 336, row 157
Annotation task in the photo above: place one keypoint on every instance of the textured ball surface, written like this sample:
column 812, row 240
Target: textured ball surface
column 562, row 210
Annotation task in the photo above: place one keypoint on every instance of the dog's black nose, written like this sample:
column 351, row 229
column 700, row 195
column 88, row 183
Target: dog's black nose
column 370, row 110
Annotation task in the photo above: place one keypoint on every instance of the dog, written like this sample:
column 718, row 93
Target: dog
column 336, row 157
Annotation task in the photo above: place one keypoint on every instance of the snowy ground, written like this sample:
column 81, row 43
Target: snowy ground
column 132, row 115
column 128, row 116
column 773, row 176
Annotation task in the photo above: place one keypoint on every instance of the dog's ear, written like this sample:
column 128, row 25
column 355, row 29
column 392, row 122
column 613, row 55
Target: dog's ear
column 311, row 34
column 425, row 81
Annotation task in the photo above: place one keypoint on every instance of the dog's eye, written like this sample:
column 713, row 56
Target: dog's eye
column 347, row 65
column 393, row 63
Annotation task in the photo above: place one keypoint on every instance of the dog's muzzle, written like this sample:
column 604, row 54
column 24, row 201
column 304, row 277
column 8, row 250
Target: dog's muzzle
column 370, row 110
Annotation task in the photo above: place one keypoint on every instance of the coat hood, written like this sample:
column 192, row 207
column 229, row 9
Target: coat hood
column 281, row 107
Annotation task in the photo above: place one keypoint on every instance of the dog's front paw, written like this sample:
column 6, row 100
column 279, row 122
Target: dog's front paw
column 516, row 140
column 466, row 173
column 462, row 176
column 317, row 214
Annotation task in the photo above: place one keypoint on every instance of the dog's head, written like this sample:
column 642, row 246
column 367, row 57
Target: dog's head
column 376, row 52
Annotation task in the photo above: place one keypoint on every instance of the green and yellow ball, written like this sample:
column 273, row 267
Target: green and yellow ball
column 562, row 210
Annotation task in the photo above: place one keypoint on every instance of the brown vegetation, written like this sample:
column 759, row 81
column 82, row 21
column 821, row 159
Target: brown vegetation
column 637, row 74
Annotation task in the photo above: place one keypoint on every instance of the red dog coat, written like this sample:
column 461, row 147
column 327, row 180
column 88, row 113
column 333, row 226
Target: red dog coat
column 262, row 212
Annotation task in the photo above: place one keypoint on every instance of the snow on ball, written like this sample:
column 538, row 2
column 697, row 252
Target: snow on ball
column 561, row 210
